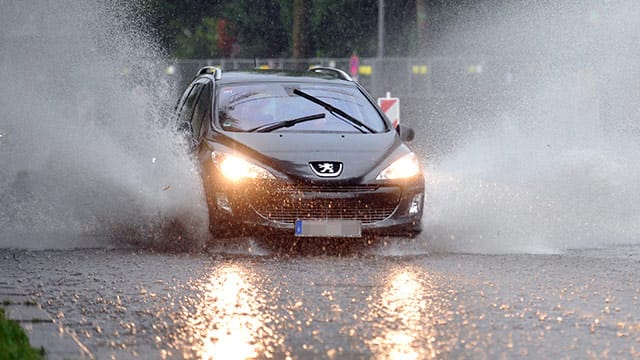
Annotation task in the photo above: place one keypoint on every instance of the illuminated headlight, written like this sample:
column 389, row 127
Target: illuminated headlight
column 405, row 167
column 235, row 168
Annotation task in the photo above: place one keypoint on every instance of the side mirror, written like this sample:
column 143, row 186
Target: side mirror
column 406, row 133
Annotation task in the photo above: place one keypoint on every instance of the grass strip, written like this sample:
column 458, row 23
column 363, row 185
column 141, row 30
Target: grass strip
column 14, row 343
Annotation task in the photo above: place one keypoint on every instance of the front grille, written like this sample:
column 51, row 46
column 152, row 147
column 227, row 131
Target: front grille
column 294, row 189
column 368, row 204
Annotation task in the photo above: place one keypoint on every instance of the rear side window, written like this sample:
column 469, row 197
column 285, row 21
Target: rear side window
column 242, row 107
column 202, row 109
column 187, row 109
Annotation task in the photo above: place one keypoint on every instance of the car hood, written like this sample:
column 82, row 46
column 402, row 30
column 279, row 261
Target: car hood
column 290, row 153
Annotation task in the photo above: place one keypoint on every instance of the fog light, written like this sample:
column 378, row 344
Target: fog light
column 223, row 202
column 416, row 204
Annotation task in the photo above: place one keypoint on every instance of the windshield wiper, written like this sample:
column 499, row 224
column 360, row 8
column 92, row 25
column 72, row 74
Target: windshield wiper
column 334, row 110
column 286, row 123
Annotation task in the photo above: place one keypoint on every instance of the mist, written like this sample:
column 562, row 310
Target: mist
column 554, row 167
column 87, row 156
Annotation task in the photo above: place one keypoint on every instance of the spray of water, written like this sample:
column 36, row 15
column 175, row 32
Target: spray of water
column 557, row 166
column 85, row 146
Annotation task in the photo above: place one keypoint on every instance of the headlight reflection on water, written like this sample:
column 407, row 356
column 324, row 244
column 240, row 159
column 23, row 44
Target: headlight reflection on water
column 230, row 321
column 408, row 312
column 234, row 311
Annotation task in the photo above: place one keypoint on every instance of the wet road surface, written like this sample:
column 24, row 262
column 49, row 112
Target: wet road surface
column 365, row 303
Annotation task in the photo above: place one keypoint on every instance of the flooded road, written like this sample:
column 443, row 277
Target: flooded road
column 385, row 302
column 534, row 154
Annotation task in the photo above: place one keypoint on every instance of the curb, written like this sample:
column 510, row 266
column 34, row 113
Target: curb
column 42, row 330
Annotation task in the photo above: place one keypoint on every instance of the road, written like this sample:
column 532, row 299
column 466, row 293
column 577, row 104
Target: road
column 398, row 300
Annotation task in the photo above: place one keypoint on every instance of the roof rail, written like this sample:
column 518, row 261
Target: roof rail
column 211, row 70
column 332, row 71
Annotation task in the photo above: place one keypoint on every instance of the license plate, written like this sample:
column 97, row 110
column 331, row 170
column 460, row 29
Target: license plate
column 328, row 228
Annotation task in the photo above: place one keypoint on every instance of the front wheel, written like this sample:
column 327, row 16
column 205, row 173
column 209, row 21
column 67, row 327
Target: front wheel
column 218, row 226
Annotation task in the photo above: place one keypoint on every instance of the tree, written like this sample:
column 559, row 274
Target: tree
column 259, row 27
column 339, row 28
column 301, row 41
column 298, row 28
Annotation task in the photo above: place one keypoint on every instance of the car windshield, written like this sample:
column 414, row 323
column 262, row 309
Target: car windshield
column 246, row 107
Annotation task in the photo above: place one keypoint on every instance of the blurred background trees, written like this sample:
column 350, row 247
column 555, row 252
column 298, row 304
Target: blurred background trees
column 288, row 28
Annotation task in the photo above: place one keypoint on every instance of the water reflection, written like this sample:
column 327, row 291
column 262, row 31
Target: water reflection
column 406, row 316
column 230, row 321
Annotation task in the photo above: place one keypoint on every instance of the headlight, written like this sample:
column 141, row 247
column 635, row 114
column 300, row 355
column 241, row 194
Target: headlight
column 405, row 167
column 235, row 168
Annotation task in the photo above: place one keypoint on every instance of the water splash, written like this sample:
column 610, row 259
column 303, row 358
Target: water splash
column 558, row 168
column 86, row 148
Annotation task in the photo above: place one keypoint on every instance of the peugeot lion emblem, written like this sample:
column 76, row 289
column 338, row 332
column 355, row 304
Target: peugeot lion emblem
column 326, row 168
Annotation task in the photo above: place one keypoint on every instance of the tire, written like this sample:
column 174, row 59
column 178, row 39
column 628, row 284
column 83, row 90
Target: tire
column 218, row 227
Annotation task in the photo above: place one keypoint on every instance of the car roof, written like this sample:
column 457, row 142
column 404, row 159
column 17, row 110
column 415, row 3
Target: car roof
column 229, row 77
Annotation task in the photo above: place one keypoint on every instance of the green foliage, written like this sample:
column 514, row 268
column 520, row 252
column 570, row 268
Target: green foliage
column 14, row 343
column 199, row 42
column 261, row 31
column 400, row 28
column 263, row 28
column 341, row 27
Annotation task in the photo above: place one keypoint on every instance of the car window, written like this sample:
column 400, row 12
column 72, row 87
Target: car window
column 242, row 107
column 183, row 98
column 187, row 109
column 202, row 109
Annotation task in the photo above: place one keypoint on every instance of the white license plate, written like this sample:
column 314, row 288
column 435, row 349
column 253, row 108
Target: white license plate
column 328, row 228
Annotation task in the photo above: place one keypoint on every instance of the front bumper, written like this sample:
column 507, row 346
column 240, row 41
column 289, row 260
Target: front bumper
column 270, row 206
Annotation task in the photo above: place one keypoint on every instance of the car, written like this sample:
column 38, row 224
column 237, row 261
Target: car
column 299, row 154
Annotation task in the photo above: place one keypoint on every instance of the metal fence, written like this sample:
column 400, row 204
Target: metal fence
column 403, row 77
